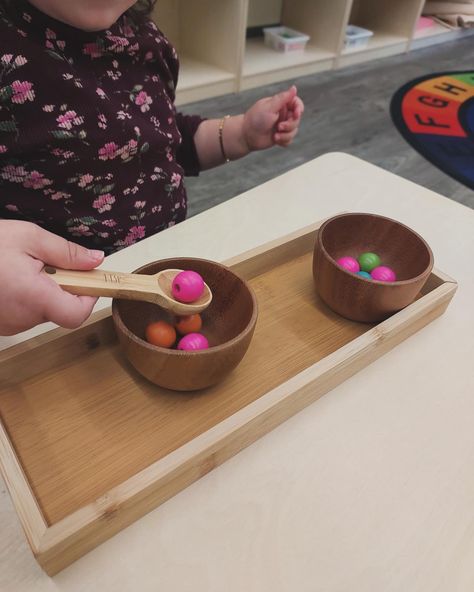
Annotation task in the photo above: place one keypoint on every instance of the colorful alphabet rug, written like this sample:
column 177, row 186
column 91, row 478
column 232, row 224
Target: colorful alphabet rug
column 435, row 114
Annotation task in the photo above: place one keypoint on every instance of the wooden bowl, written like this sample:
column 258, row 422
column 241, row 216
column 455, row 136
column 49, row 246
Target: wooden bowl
column 398, row 247
column 228, row 324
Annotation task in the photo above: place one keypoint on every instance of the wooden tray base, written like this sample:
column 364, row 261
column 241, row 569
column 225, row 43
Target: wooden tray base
column 87, row 445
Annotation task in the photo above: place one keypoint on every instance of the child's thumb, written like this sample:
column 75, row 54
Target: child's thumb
column 59, row 252
column 281, row 99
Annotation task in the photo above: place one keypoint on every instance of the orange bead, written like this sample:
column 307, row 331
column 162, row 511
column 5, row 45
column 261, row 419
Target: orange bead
column 189, row 324
column 161, row 333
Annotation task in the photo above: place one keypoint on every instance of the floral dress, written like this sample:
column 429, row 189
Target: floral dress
column 91, row 146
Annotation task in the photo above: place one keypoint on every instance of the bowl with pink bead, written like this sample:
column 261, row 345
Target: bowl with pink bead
column 191, row 352
column 367, row 267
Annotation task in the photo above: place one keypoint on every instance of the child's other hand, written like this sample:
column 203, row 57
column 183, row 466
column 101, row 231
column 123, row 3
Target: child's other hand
column 273, row 120
column 27, row 296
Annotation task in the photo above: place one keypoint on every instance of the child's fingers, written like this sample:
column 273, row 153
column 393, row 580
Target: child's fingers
column 283, row 115
column 297, row 108
column 282, row 100
column 284, row 139
column 288, row 126
column 285, row 144
column 294, row 112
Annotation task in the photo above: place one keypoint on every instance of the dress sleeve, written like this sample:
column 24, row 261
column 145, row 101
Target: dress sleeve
column 187, row 154
column 187, row 124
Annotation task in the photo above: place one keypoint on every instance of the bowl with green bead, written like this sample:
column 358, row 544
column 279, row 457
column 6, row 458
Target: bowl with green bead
column 367, row 267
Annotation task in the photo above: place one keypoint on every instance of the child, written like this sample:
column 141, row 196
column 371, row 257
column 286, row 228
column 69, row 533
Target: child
column 91, row 147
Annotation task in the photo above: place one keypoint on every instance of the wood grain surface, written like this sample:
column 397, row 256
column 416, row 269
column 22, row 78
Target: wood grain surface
column 89, row 445
column 83, row 428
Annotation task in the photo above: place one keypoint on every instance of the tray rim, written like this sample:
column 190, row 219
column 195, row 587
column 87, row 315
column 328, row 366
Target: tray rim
column 56, row 546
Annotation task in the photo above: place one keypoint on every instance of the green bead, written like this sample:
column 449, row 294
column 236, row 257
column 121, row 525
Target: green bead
column 369, row 261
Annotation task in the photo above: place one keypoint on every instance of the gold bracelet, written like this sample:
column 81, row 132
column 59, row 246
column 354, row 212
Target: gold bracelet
column 221, row 137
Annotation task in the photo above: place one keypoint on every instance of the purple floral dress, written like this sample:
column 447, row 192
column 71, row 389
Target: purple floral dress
column 91, row 146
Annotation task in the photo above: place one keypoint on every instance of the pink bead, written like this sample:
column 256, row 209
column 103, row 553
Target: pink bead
column 187, row 286
column 383, row 274
column 349, row 264
column 193, row 342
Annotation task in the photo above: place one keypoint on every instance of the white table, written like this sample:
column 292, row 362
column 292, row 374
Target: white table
column 370, row 489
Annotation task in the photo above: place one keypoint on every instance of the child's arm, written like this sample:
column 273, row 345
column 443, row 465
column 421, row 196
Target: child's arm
column 269, row 122
column 27, row 296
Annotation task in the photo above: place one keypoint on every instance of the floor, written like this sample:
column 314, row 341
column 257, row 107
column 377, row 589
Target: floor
column 346, row 110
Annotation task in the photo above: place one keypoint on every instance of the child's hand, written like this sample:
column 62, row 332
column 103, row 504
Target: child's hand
column 273, row 120
column 27, row 296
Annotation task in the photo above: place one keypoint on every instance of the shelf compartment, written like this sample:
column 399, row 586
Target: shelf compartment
column 208, row 43
column 437, row 33
column 263, row 65
column 381, row 45
column 391, row 23
column 319, row 19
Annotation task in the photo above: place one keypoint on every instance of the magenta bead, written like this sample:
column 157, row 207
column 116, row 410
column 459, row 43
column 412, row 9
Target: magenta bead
column 383, row 274
column 187, row 286
column 193, row 342
column 349, row 264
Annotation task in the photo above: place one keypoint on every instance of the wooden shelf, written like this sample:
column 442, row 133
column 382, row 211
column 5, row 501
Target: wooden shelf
column 261, row 61
column 435, row 29
column 378, row 41
column 199, row 80
column 381, row 45
column 437, row 33
column 216, row 58
column 208, row 43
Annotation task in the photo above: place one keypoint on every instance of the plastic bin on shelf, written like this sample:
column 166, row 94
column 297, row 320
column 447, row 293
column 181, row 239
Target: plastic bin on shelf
column 356, row 37
column 285, row 39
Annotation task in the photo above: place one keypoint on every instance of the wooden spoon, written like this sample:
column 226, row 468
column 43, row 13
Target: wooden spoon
column 129, row 286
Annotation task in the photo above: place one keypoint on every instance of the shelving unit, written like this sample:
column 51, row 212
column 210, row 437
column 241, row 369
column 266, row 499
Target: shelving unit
column 208, row 43
column 381, row 45
column 217, row 57
column 391, row 23
column 321, row 20
column 262, row 66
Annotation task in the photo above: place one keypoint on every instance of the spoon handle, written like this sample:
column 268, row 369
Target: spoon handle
column 114, row 284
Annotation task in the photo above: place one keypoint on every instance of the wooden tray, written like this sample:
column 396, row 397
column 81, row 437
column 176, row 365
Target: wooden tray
column 87, row 445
